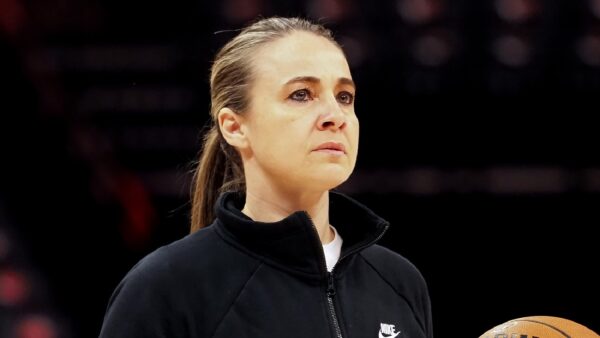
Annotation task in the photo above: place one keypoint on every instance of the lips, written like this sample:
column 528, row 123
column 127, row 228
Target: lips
column 331, row 147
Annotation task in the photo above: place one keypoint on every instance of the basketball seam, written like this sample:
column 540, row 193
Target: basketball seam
column 548, row 325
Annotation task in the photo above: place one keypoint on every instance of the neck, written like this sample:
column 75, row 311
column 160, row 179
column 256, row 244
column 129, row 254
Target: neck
column 273, row 205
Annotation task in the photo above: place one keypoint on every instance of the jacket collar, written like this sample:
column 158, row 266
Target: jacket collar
column 292, row 243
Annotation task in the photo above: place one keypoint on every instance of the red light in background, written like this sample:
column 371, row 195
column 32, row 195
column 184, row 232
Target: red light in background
column 419, row 11
column 36, row 326
column 516, row 11
column 14, row 288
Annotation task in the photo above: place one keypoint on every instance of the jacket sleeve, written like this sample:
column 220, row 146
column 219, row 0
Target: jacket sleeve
column 144, row 304
column 426, row 308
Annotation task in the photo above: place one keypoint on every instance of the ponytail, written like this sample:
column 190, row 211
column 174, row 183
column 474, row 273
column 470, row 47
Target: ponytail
column 219, row 169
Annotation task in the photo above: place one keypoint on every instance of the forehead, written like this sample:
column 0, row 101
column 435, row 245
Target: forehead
column 299, row 54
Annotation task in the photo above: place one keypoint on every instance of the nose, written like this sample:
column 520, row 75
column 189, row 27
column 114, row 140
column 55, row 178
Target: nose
column 333, row 119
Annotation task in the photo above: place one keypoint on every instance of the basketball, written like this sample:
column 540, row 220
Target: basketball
column 540, row 327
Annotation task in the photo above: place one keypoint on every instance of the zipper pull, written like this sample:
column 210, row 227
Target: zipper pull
column 330, row 285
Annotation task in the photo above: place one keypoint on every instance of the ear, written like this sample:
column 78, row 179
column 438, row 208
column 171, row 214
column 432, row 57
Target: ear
column 231, row 126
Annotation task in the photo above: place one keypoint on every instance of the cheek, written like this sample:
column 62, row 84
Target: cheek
column 282, row 137
column 354, row 129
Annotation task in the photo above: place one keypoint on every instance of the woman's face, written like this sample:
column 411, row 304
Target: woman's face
column 301, row 128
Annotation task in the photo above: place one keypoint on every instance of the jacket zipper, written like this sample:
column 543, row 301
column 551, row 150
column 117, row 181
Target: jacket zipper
column 331, row 282
column 330, row 275
column 330, row 294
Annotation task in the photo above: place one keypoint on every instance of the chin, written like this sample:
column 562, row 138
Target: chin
column 329, row 179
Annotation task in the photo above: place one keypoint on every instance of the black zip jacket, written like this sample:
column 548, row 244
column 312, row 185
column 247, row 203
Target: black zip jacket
column 240, row 278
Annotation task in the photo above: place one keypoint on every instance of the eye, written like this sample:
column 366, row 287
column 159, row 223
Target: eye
column 301, row 95
column 345, row 97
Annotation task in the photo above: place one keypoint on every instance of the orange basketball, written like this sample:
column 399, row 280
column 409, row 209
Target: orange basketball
column 540, row 327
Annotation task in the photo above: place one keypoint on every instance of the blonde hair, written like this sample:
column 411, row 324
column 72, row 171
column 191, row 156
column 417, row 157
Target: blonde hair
column 220, row 166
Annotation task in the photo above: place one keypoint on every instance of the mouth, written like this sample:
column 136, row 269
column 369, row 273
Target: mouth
column 335, row 148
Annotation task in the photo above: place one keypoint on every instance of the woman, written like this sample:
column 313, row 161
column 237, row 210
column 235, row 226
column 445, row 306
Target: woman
column 276, row 254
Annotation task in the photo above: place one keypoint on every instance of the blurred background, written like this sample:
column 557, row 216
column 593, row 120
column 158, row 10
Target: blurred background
column 477, row 143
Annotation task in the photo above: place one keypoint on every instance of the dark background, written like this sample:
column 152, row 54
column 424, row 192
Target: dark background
column 477, row 143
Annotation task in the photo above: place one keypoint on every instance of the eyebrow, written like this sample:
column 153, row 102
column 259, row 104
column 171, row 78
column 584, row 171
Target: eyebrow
column 312, row 79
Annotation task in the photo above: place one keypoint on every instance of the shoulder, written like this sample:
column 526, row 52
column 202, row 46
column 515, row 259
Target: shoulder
column 190, row 257
column 397, row 270
column 157, row 270
column 175, row 282
column 385, row 258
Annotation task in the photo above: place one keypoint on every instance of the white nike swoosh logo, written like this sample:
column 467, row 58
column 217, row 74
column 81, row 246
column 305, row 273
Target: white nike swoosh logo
column 394, row 336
